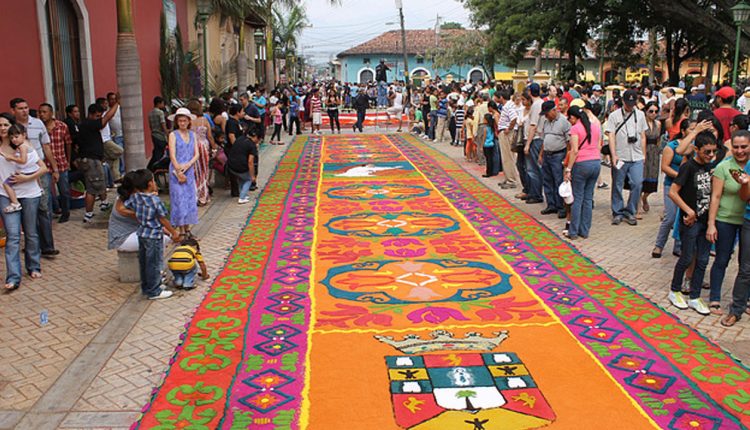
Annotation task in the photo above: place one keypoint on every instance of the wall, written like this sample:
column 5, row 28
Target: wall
column 21, row 74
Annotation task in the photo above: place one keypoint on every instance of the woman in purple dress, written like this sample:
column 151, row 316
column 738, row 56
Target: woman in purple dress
column 183, row 153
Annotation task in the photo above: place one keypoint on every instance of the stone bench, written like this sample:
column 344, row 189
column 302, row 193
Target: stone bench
column 127, row 264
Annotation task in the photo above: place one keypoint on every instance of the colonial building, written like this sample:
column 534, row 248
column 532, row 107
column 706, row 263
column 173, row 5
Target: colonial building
column 63, row 51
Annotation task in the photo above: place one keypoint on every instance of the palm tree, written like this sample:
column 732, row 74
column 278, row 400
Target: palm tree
column 287, row 27
column 466, row 395
column 128, row 67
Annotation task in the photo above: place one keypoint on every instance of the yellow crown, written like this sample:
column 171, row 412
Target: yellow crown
column 441, row 340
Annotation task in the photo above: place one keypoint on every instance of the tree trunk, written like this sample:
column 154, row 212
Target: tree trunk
column 652, row 60
column 538, row 57
column 241, row 62
column 270, row 66
column 128, row 69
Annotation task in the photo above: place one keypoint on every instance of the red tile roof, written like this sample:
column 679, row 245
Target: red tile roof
column 418, row 42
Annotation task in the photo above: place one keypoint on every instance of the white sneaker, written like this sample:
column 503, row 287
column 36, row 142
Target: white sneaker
column 165, row 294
column 678, row 300
column 698, row 306
column 243, row 201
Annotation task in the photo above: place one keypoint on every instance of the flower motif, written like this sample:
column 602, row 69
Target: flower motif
column 354, row 314
column 435, row 315
column 404, row 248
column 507, row 308
column 386, row 206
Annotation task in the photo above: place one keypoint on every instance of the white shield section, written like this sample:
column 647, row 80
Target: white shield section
column 483, row 398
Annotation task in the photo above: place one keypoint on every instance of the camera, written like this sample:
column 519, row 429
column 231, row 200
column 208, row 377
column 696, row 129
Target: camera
column 632, row 139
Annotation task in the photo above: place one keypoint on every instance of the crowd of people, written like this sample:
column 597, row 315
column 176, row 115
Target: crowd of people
column 548, row 142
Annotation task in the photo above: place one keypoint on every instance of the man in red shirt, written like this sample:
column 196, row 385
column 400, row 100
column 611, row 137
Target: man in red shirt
column 60, row 144
column 725, row 113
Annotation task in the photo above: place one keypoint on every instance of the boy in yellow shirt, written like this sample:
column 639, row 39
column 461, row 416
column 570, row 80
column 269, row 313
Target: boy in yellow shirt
column 184, row 264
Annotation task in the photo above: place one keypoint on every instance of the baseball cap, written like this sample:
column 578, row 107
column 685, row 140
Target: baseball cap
column 578, row 102
column 701, row 87
column 596, row 87
column 630, row 97
column 726, row 92
column 534, row 89
column 693, row 89
column 547, row 106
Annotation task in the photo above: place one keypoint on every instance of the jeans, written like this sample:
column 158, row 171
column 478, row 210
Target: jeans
column 433, row 125
column 245, row 181
column 741, row 290
column 185, row 279
column 120, row 141
column 63, row 193
column 670, row 213
column 694, row 244
column 26, row 218
column 157, row 153
column 552, row 177
column 150, row 256
column 360, row 119
column 382, row 93
column 333, row 118
column 634, row 172
column 294, row 120
column 44, row 220
column 522, row 173
column 534, row 170
column 583, row 180
column 727, row 233
column 276, row 132
column 489, row 155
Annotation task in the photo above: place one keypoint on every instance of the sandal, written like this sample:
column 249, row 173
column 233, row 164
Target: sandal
column 13, row 207
column 715, row 308
column 729, row 320
column 35, row 275
column 655, row 254
column 11, row 287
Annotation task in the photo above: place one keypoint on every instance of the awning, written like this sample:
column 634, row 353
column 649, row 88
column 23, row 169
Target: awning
column 504, row 76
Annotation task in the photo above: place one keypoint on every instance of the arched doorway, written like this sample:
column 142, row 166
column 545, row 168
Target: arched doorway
column 366, row 75
column 418, row 76
column 65, row 54
column 475, row 75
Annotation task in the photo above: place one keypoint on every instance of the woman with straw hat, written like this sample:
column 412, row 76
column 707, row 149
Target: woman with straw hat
column 183, row 154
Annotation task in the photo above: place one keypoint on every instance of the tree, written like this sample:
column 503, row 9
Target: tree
column 467, row 395
column 451, row 26
column 287, row 27
column 128, row 69
column 463, row 48
column 237, row 11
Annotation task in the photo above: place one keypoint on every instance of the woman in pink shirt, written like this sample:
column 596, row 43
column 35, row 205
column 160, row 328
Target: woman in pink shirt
column 582, row 170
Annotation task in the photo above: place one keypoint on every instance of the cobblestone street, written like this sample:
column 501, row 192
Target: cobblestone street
column 104, row 349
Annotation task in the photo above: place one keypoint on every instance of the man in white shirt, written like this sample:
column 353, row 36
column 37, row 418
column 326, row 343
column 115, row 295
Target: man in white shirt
column 115, row 126
column 39, row 138
column 112, row 152
column 626, row 129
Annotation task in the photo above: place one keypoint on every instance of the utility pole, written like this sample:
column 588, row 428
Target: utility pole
column 400, row 6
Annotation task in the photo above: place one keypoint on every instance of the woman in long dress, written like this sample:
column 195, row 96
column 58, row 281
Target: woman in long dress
column 183, row 154
column 653, row 151
column 204, row 139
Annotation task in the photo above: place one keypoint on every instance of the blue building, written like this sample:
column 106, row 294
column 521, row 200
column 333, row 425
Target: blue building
column 358, row 64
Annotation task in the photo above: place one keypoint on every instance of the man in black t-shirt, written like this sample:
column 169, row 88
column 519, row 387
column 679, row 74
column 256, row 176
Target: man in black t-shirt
column 691, row 192
column 90, row 156
column 243, row 163
column 251, row 118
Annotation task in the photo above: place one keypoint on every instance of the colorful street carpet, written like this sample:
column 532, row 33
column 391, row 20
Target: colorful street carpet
column 379, row 286
column 372, row 119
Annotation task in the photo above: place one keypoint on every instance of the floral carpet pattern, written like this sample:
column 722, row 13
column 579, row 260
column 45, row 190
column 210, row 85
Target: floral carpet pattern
column 394, row 291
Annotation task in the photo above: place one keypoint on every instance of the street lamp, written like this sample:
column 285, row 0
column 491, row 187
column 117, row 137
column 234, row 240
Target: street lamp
column 205, row 9
column 740, row 13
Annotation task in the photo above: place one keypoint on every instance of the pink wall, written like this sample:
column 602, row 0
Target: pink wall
column 21, row 74
column 27, row 80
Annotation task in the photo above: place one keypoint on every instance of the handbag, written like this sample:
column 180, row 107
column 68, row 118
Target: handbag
column 519, row 141
column 219, row 161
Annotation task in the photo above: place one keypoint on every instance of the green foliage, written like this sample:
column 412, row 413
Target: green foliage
column 451, row 26
column 462, row 49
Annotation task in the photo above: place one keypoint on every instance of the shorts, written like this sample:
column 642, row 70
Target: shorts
column 395, row 110
column 317, row 118
column 93, row 176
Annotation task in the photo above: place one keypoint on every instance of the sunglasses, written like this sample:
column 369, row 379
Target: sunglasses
column 709, row 151
column 653, row 111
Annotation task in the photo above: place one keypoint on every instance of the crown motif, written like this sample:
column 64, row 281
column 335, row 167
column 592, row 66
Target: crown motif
column 442, row 340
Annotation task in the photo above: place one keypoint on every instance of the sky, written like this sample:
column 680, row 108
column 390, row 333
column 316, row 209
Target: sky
column 337, row 28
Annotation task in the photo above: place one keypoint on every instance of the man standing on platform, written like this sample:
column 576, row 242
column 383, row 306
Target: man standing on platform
column 382, row 79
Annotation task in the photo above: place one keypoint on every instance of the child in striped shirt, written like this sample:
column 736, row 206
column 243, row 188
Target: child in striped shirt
column 184, row 264
column 458, row 115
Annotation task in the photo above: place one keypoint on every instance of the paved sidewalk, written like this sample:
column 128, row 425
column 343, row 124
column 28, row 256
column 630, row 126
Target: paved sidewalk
column 625, row 252
column 105, row 348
